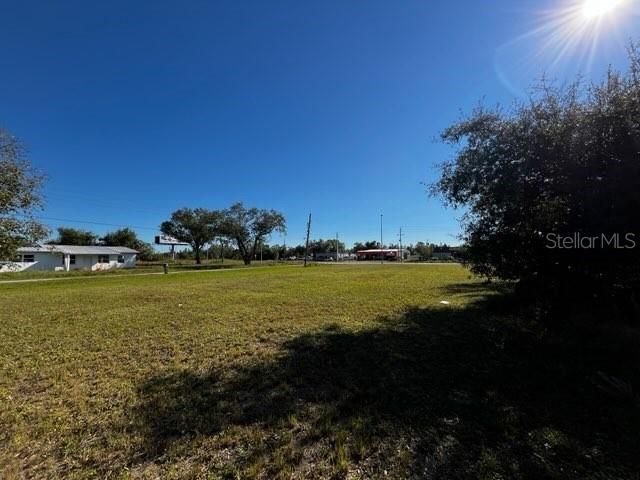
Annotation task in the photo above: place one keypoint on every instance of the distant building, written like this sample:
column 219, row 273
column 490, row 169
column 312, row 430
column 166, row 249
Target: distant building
column 331, row 256
column 389, row 254
column 325, row 256
column 71, row 257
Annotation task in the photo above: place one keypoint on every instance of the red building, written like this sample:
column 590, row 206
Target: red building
column 381, row 254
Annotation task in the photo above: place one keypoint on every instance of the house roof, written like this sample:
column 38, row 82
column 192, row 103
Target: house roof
column 37, row 249
column 77, row 250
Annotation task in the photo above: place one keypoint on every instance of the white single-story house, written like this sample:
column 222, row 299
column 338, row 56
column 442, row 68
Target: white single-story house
column 70, row 257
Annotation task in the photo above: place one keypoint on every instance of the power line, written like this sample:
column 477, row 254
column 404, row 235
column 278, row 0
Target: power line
column 129, row 206
column 89, row 222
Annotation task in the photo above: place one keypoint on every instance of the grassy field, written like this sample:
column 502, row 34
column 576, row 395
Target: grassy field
column 324, row 372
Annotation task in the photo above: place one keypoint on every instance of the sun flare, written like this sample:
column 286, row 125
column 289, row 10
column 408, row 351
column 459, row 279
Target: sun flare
column 597, row 8
column 567, row 38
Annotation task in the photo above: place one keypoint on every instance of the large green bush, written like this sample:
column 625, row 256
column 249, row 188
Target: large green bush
column 562, row 168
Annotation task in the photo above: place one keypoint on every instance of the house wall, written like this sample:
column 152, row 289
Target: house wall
column 83, row 262
column 54, row 261
column 43, row 261
column 129, row 262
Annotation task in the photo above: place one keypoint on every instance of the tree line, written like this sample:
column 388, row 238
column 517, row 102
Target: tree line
column 200, row 228
column 246, row 227
column 266, row 251
column 123, row 237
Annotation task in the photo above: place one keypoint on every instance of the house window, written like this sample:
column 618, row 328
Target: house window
column 28, row 258
column 103, row 258
column 72, row 259
column 120, row 258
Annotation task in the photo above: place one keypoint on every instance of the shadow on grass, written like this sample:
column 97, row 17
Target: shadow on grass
column 437, row 393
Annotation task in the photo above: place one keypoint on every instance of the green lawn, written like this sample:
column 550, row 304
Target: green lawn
column 325, row 372
column 45, row 274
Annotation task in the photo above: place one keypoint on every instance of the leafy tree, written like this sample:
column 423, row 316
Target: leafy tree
column 125, row 237
column 297, row 251
column 442, row 248
column 358, row 246
column 276, row 252
column 564, row 165
column 19, row 198
column 197, row 227
column 331, row 245
column 74, row 236
column 184, row 254
column 425, row 251
column 250, row 226
column 370, row 245
column 324, row 246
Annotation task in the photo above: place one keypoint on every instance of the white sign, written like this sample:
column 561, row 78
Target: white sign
column 163, row 239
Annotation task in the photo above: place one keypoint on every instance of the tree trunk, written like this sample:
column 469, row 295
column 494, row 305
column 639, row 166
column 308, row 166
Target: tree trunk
column 197, row 252
column 251, row 255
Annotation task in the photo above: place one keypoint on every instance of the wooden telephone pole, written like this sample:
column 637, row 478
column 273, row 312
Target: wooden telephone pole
column 306, row 248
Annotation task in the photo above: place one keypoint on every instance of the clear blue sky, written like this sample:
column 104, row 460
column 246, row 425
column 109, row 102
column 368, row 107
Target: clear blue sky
column 135, row 109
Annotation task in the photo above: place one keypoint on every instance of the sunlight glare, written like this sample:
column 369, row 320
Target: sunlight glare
column 565, row 42
column 596, row 8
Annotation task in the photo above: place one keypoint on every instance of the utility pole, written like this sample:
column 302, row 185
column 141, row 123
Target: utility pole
column 306, row 247
column 401, row 253
column 381, row 244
